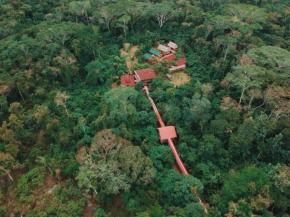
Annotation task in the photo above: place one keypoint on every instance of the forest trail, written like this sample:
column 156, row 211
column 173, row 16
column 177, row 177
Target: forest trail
column 128, row 56
column 172, row 146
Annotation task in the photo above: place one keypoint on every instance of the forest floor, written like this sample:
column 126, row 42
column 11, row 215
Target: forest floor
column 117, row 207
column 90, row 208
column 179, row 78
column 129, row 55
column 176, row 168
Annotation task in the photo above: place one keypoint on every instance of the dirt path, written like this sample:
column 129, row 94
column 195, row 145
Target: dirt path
column 128, row 56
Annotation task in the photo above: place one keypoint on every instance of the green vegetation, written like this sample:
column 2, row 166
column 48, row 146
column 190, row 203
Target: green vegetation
column 74, row 142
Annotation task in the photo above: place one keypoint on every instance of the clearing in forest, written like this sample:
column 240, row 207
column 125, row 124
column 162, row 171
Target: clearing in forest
column 129, row 56
column 179, row 78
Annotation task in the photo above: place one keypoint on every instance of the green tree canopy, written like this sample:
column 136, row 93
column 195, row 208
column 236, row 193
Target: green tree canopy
column 273, row 58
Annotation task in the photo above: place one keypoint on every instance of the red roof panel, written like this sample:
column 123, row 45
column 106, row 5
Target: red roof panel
column 166, row 133
column 180, row 62
column 170, row 57
column 128, row 80
column 145, row 74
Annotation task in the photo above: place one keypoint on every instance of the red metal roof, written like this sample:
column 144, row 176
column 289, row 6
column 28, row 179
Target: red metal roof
column 180, row 62
column 145, row 74
column 166, row 133
column 128, row 80
column 170, row 57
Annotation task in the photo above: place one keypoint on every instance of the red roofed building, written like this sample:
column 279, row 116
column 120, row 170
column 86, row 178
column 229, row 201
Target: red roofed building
column 145, row 74
column 166, row 133
column 170, row 57
column 128, row 80
column 176, row 68
column 180, row 62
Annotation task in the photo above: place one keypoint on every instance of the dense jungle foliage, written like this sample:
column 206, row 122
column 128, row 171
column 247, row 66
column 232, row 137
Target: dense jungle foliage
column 74, row 142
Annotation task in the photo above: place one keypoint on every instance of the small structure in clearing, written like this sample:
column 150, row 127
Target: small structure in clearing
column 128, row 80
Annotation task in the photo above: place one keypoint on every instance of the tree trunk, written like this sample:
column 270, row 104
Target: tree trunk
column 87, row 17
column 49, row 168
column 66, row 111
column 84, row 129
column 259, row 106
column 226, row 53
column 9, row 176
column 250, row 103
column 242, row 94
column 125, row 33
column 107, row 24
column 92, row 186
column 20, row 93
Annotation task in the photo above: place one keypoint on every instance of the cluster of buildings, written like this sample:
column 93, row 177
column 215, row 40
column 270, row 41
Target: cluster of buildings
column 160, row 53
column 163, row 52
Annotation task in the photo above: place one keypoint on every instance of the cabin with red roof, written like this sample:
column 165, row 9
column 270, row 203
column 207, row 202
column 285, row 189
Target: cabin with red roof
column 145, row 74
column 176, row 68
column 180, row 65
column 170, row 57
column 181, row 62
column 128, row 80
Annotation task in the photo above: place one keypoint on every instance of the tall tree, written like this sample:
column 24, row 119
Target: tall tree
column 246, row 78
column 272, row 57
column 80, row 8
column 120, row 107
column 162, row 12
column 107, row 14
column 123, row 23
column 246, row 13
column 136, row 10
column 112, row 164
column 60, row 99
